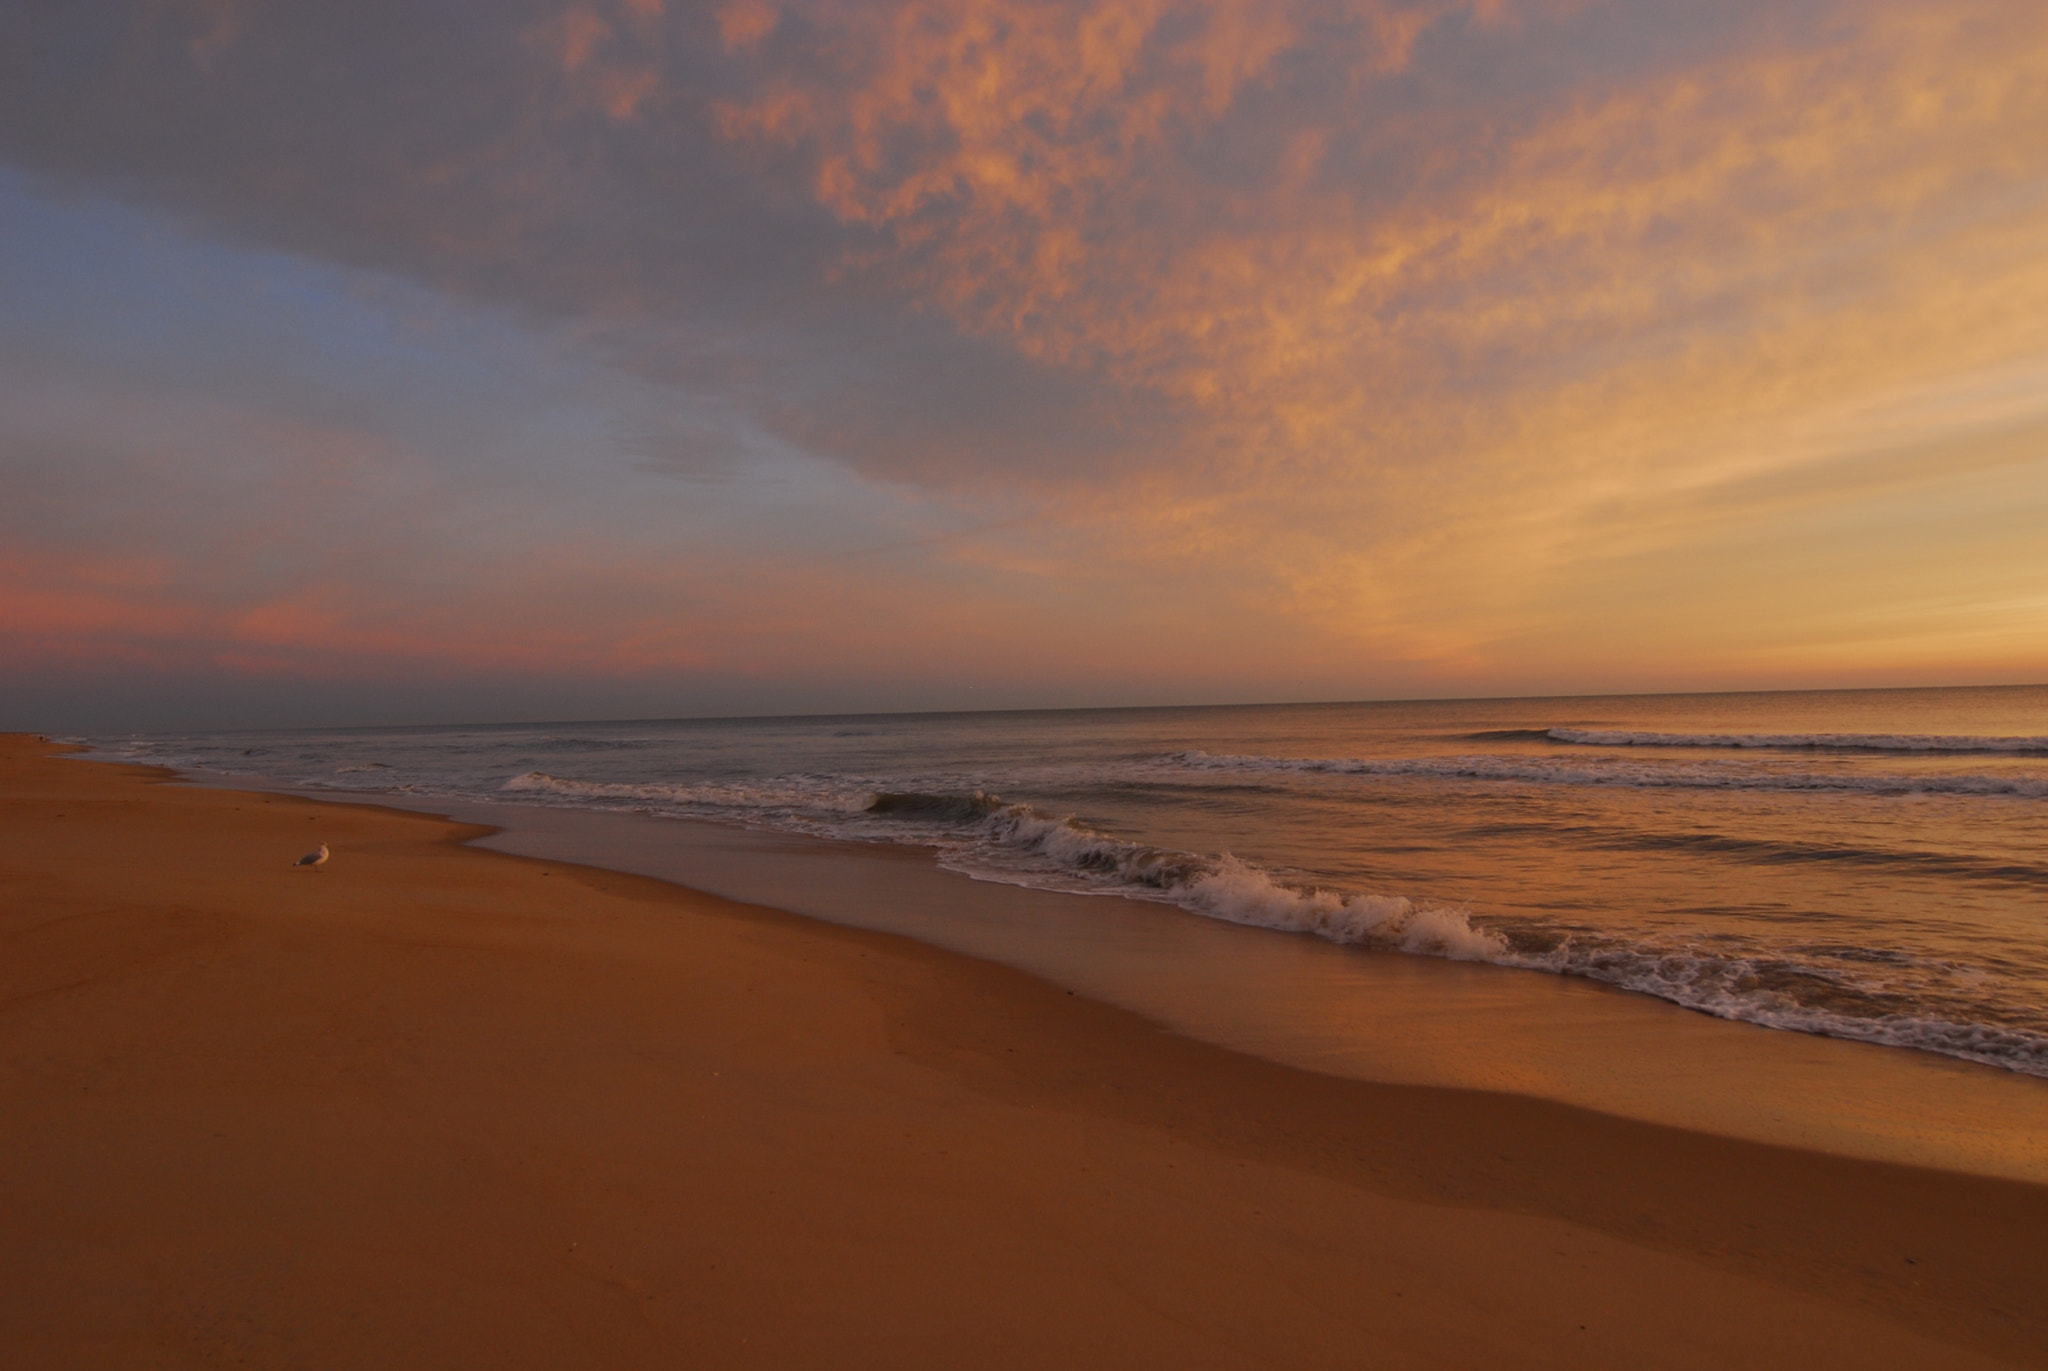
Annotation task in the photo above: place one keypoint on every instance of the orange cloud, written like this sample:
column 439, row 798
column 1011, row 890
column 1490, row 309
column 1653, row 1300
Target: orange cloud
column 1423, row 409
column 213, row 26
column 743, row 23
column 578, row 35
column 616, row 73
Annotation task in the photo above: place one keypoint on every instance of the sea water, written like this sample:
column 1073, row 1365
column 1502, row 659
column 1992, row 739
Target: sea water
column 1870, row 865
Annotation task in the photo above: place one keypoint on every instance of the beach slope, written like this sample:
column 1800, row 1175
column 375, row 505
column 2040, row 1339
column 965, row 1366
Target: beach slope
column 428, row 1105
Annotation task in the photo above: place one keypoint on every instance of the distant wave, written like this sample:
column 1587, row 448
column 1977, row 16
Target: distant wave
column 1813, row 742
column 1767, row 851
column 820, row 797
column 1555, row 771
column 1773, row 851
column 570, row 743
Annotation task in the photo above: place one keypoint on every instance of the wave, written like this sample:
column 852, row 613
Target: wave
column 1805, row 995
column 1553, row 771
column 917, row 805
column 820, row 797
column 1836, row 992
column 1770, row 852
column 1764, row 851
column 1809, row 742
column 570, row 743
column 1003, row 841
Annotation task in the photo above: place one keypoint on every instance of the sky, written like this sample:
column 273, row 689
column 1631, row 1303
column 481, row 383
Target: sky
column 520, row 359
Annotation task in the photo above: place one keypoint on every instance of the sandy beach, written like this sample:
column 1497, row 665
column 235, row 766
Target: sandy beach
column 430, row 1105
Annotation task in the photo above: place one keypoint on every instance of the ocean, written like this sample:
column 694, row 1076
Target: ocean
column 1869, row 865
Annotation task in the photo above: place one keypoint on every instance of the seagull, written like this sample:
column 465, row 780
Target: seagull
column 313, row 858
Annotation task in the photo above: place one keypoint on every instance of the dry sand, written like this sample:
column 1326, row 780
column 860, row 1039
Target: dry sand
column 441, row 1107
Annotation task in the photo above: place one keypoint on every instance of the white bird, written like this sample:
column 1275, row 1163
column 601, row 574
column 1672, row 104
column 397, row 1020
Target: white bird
column 313, row 858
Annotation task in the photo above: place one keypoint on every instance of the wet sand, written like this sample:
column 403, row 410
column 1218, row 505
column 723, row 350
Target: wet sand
column 434, row 1105
column 1346, row 1011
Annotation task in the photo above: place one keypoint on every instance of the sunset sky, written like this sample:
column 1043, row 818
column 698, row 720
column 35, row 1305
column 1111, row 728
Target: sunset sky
column 392, row 362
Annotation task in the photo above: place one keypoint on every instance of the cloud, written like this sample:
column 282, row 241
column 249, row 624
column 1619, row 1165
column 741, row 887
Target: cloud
column 1433, row 330
column 1426, row 352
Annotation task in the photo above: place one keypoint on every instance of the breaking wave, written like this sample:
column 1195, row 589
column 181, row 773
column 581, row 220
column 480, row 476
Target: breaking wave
column 1842, row 993
column 914, row 805
column 1885, row 998
column 1888, row 998
column 1833, row 992
column 995, row 840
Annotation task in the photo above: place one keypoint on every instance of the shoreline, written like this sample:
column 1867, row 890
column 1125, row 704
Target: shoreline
column 1374, row 1016
column 442, row 1103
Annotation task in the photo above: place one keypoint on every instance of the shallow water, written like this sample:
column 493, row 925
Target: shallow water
column 1865, row 864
